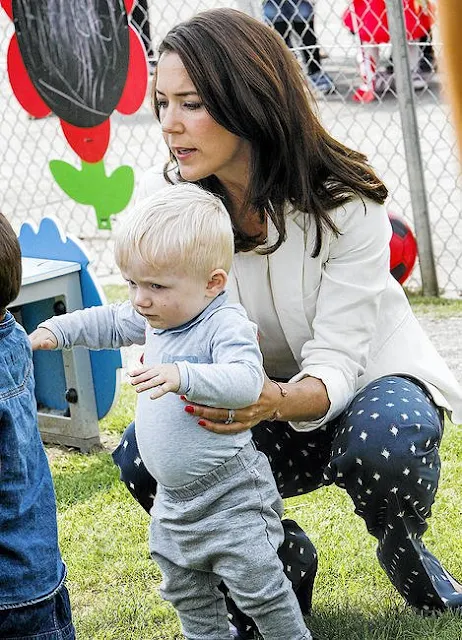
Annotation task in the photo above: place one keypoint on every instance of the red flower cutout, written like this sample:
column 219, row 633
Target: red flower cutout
column 81, row 64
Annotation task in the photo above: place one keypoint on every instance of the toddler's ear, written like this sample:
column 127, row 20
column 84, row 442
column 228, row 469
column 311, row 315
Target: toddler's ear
column 217, row 282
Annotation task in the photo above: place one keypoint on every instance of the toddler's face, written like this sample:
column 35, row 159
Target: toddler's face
column 165, row 297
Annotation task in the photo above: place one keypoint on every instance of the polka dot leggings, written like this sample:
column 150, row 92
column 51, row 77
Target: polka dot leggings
column 383, row 450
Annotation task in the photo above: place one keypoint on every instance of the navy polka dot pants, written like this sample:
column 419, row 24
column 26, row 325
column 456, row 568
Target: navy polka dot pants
column 383, row 450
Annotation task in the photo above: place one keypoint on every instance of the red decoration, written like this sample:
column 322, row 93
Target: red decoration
column 403, row 249
column 368, row 19
column 137, row 77
column 89, row 142
column 25, row 92
column 7, row 6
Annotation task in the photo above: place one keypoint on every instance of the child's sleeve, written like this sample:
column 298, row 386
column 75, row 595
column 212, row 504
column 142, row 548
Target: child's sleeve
column 105, row 327
column 235, row 377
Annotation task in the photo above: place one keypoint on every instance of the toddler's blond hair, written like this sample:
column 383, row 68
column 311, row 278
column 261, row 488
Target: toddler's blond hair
column 181, row 226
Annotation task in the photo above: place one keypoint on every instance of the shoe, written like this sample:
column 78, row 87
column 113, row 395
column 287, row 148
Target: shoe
column 365, row 96
column 322, row 82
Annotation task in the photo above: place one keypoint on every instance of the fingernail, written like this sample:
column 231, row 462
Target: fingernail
column 189, row 409
column 201, row 423
column 183, row 397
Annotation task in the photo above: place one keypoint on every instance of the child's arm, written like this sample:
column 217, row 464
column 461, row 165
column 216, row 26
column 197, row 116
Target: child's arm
column 106, row 327
column 233, row 380
column 236, row 377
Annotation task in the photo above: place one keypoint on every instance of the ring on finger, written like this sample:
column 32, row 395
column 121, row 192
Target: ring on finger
column 230, row 418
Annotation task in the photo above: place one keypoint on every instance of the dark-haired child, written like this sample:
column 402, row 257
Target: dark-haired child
column 34, row 602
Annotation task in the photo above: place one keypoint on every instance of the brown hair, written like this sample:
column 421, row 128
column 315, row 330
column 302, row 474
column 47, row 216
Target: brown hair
column 10, row 265
column 252, row 84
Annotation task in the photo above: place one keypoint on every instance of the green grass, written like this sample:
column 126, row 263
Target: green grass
column 440, row 307
column 421, row 304
column 114, row 584
column 116, row 292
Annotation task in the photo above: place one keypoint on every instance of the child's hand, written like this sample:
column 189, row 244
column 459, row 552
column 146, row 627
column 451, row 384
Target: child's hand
column 162, row 378
column 43, row 339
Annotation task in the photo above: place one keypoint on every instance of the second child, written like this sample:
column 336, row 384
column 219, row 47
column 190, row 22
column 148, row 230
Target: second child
column 34, row 601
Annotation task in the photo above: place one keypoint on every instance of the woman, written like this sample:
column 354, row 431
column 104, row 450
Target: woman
column 355, row 391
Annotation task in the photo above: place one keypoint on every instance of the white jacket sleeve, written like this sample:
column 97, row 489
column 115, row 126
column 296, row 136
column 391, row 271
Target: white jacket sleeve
column 354, row 276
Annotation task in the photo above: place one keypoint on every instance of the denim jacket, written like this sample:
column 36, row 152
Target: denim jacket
column 31, row 568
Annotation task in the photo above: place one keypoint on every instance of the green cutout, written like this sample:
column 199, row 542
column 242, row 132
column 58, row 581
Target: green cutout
column 90, row 185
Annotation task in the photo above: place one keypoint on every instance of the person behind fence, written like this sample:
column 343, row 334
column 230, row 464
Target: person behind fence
column 217, row 512
column 368, row 21
column 361, row 391
column 34, row 602
column 289, row 17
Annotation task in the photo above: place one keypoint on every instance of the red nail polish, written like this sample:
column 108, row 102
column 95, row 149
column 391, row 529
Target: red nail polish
column 189, row 409
column 201, row 422
column 182, row 397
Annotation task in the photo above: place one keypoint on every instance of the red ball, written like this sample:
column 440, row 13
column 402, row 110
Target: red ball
column 403, row 249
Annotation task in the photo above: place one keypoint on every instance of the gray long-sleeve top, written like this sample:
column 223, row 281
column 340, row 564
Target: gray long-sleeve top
column 220, row 365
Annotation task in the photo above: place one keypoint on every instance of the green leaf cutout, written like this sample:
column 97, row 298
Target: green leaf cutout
column 90, row 185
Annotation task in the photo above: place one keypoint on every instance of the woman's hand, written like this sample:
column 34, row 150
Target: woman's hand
column 266, row 408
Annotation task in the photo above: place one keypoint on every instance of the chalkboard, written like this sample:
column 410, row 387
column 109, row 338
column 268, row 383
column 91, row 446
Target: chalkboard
column 76, row 54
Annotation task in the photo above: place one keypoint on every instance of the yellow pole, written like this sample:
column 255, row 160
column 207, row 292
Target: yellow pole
column 450, row 14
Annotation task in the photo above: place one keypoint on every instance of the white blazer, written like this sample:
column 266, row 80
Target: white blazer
column 346, row 320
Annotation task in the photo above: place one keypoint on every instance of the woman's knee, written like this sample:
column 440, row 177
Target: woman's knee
column 391, row 429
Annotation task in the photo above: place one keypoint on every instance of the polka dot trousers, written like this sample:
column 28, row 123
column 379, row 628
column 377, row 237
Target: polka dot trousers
column 383, row 450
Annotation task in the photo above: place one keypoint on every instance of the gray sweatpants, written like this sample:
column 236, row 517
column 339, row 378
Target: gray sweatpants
column 226, row 526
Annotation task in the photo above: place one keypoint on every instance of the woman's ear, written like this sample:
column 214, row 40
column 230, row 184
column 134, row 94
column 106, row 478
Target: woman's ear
column 216, row 283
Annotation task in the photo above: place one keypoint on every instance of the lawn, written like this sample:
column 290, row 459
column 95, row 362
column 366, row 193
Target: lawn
column 114, row 584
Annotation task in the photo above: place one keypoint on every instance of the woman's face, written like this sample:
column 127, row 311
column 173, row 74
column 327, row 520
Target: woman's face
column 201, row 146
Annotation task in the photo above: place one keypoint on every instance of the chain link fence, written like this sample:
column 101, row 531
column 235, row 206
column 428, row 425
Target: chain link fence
column 354, row 81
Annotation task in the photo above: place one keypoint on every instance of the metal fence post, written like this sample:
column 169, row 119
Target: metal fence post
column 406, row 102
